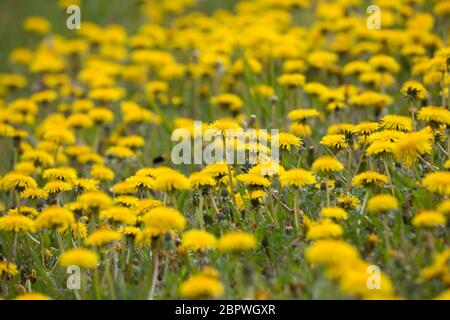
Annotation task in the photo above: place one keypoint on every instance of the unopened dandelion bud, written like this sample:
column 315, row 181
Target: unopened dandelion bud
column 273, row 100
column 195, row 198
column 310, row 155
column 252, row 121
column 288, row 229
column 195, row 55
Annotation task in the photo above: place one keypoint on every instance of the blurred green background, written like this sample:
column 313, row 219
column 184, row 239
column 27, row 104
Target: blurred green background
column 14, row 12
column 125, row 12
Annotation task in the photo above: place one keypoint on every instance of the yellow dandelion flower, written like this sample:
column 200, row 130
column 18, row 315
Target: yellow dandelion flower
column 429, row 219
column 267, row 168
column 297, row 178
column 437, row 182
column 86, row 184
column 54, row 217
column 119, row 214
column 31, row 193
column 254, row 180
column 447, row 164
column 201, row 287
column 434, row 115
column 102, row 237
column 140, row 182
column 396, row 122
column 60, row 136
column 300, row 129
column 293, row 80
column 445, row 295
column 79, row 121
column 130, row 231
column 198, row 240
column 285, row 141
column 65, row 174
column 256, row 196
column 224, row 125
column 441, row 8
column 8, row 268
column 120, row 152
column 324, row 230
column 38, row 158
column 16, row 223
column 32, row 296
column 236, row 241
column 326, row 164
column 228, row 100
column 354, row 282
column 385, row 136
column 145, row 236
column 264, row 90
column 79, row 230
column 54, row 187
column 330, row 252
column 371, row 99
column 412, row 145
column 124, row 188
column 94, row 200
column 37, row 24
column 84, row 258
column 102, row 173
column 334, row 141
column 334, row 213
column 444, row 207
column 439, row 267
column 163, row 220
column 369, row 178
column 169, row 183
column 17, row 181
column 201, row 180
column 379, row 148
column 216, row 170
column 303, row 114
column 21, row 56
column 126, row 201
column 384, row 63
column 108, row 94
column 101, row 115
column 365, row 128
column 145, row 205
column 382, row 203
column 24, row 211
column 414, row 90
column 131, row 141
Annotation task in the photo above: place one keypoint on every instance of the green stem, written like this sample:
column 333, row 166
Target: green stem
column 60, row 241
column 444, row 104
column 296, row 213
column 386, row 167
column 327, row 188
column 412, row 110
column 98, row 133
column 386, row 234
column 433, row 150
column 96, row 285
column 230, row 181
column 109, row 278
column 12, row 248
column 200, row 213
column 363, row 206
column 216, row 209
column 155, row 261
column 349, row 170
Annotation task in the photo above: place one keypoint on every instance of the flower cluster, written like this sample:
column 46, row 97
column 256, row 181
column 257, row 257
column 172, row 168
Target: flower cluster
column 355, row 206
